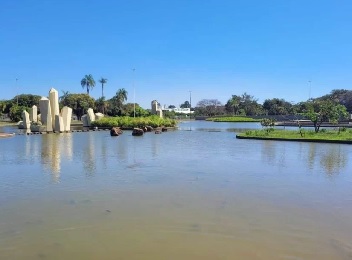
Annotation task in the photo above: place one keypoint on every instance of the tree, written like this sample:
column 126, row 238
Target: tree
column 342, row 96
column 233, row 104
column 185, row 104
column 102, row 81
column 209, row 107
column 101, row 104
column 79, row 103
column 64, row 95
column 325, row 111
column 128, row 110
column 26, row 100
column 277, row 106
column 16, row 112
column 171, row 106
column 88, row 82
column 116, row 102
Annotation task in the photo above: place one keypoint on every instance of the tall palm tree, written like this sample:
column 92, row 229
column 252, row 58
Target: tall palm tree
column 102, row 81
column 64, row 95
column 88, row 82
column 121, row 95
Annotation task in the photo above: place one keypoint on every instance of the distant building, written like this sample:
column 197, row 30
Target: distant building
column 156, row 108
column 179, row 110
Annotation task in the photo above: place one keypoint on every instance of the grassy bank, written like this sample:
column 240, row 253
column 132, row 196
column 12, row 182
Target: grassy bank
column 233, row 119
column 130, row 122
column 328, row 135
column 6, row 123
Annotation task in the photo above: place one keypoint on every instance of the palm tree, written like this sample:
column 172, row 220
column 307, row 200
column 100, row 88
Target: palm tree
column 121, row 95
column 88, row 82
column 102, row 81
column 64, row 95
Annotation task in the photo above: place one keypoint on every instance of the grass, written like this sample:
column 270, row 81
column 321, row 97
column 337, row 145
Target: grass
column 130, row 122
column 6, row 123
column 330, row 135
column 233, row 119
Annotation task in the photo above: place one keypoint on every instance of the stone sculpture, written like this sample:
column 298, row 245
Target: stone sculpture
column 85, row 120
column 26, row 121
column 33, row 114
column 45, row 109
column 66, row 113
column 90, row 116
column 98, row 116
column 54, row 104
column 59, row 124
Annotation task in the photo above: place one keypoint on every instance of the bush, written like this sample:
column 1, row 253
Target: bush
column 130, row 122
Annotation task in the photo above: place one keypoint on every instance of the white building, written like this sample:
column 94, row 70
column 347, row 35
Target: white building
column 179, row 110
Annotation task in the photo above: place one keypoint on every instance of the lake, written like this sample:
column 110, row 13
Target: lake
column 193, row 193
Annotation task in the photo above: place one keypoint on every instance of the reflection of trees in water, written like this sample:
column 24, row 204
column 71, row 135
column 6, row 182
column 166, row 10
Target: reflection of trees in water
column 311, row 155
column 274, row 153
column 88, row 155
column 331, row 157
column 333, row 160
column 268, row 152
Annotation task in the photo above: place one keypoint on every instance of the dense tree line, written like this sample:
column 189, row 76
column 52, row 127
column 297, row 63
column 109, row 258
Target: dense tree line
column 247, row 105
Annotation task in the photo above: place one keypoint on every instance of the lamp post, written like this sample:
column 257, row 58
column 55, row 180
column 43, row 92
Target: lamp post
column 190, row 103
column 17, row 90
column 310, row 88
column 134, row 94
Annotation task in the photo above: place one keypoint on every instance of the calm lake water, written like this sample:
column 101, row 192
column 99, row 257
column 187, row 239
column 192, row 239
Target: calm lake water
column 193, row 193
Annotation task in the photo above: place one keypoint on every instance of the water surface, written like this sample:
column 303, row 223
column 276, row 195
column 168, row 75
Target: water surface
column 194, row 193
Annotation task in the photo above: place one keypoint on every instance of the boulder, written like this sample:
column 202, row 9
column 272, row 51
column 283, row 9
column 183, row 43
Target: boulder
column 163, row 129
column 149, row 128
column 116, row 131
column 137, row 132
column 157, row 132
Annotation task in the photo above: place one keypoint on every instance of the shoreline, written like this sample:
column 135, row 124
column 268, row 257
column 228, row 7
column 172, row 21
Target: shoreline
column 307, row 140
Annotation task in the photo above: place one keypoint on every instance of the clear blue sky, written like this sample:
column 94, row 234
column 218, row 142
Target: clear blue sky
column 215, row 48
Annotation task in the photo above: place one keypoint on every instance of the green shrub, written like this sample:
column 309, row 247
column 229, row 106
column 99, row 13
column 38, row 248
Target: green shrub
column 130, row 122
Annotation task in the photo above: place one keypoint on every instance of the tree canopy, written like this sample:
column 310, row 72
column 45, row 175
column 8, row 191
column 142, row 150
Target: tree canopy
column 88, row 82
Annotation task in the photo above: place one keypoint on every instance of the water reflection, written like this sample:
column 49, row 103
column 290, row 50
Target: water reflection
column 89, row 155
column 54, row 147
column 333, row 160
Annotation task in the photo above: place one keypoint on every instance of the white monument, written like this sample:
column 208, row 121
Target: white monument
column 26, row 121
column 98, row 116
column 85, row 120
column 45, row 110
column 54, row 104
column 33, row 114
column 156, row 109
column 66, row 113
column 59, row 124
column 90, row 116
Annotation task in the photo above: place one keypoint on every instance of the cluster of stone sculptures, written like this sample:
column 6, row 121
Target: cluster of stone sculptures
column 50, row 118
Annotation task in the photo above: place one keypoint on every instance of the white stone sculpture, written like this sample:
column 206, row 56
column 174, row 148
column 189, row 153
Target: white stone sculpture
column 90, row 116
column 33, row 114
column 45, row 109
column 59, row 124
column 98, row 116
column 66, row 113
column 54, row 104
column 85, row 120
column 26, row 121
